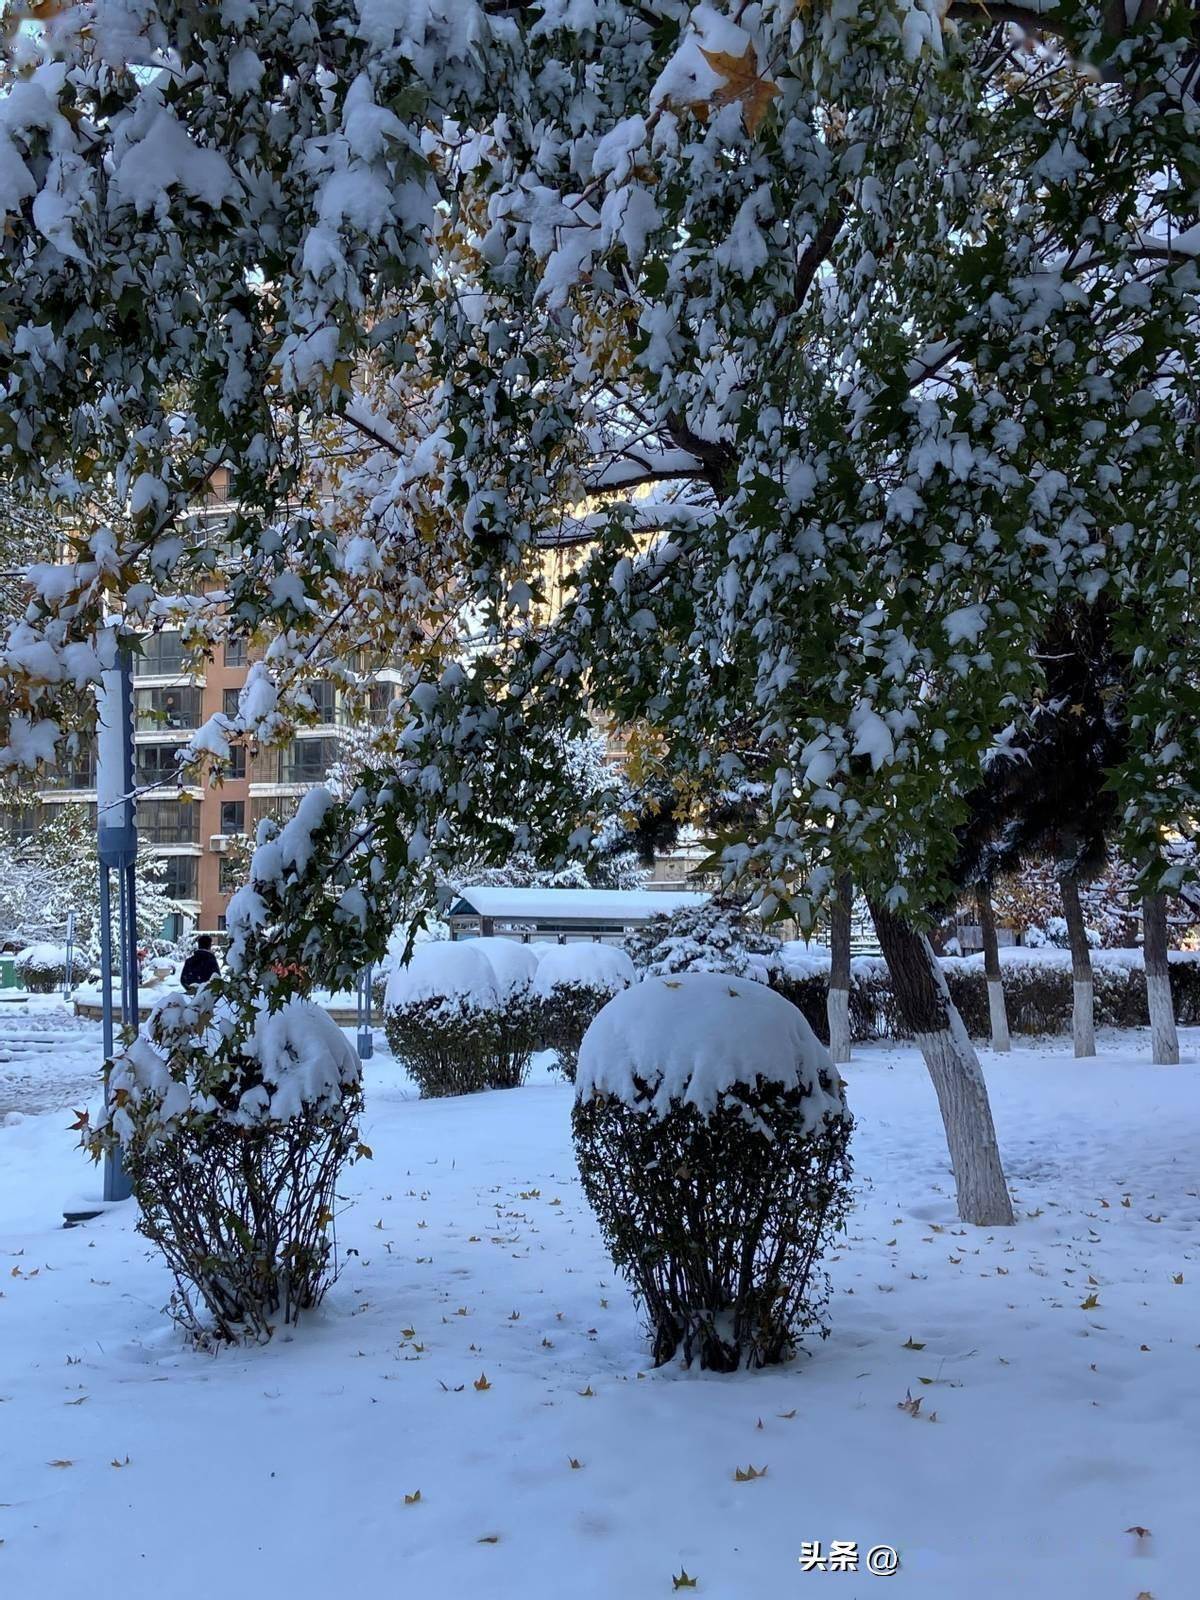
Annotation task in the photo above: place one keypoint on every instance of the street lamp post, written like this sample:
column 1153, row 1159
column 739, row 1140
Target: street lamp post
column 116, row 832
column 366, row 1039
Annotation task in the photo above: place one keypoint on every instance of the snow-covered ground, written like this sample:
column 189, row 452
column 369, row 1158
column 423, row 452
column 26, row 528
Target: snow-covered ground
column 478, row 1350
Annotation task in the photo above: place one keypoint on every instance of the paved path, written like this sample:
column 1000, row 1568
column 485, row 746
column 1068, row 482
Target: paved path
column 49, row 1058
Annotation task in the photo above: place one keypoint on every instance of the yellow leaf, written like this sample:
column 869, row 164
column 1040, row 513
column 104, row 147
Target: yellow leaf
column 481, row 1382
column 742, row 82
column 586, row 1394
column 1090, row 1304
column 413, row 1499
column 364, row 1152
column 683, row 1581
column 749, row 1475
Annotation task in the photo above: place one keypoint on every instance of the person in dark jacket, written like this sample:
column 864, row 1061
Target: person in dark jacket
column 200, row 966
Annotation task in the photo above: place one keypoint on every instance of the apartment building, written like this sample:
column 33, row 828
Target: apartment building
column 194, row 829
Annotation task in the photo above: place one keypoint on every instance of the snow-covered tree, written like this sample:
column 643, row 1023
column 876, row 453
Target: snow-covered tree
column 65, row 854
column 844, row 342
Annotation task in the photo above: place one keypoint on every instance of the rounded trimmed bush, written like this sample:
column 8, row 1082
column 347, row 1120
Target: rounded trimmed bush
column 442, row 1018
column 43, row 967
column 235, row 1158
column 573, row 983
column 514, row 967
column 712, row 1131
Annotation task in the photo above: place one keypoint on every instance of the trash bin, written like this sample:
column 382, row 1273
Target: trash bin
column 9, row 977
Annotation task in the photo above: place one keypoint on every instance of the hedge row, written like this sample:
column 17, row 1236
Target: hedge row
column 1039, row 998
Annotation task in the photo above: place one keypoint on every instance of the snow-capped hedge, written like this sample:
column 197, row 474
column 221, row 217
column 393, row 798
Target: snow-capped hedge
column 573, row 982
column 234, row 1155
column 42, row 967
column 461, row 1015
column 692, row 1039
column 452, row 972
column 1037, row 989
column 711, row 1130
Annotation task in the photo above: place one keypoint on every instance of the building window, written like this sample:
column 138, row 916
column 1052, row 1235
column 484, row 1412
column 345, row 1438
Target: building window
column 278, row 807
column 233, row 816
column 168, row 822
column 324, row 697
column 75, row 771
column 231, row 874
column 166, row 708
column 235, row 652
column 379, row 699
column 179, row 881
column 222, row 922
column 157, row 764
column 162, row 653
column 306, row 760
column 237, row 761
column 229, row 702
column 20, row 822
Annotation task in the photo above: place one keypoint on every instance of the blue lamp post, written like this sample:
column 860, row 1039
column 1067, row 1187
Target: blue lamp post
column 117, row 848
column 366, row 1039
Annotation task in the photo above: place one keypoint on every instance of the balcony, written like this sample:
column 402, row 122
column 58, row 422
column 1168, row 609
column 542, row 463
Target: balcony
column 161, row 822
column 161, row 656
column 161, row 710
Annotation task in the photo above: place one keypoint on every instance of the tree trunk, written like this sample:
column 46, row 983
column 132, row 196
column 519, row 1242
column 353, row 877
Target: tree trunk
column 997, row 1010
column 1083, row 1011
column 926, row 1007
column 837, row 1002
column 1164, row 1041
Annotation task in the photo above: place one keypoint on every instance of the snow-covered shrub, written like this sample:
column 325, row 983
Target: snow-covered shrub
column 42, row 967
column 711, row 1129
column 442, row 1018
column 235, row 1158
column 573, row 982
column 713, row 937
column 514, row 967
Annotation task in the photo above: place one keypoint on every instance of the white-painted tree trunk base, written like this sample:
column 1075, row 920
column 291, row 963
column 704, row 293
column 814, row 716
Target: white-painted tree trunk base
column 998, row 1013
column 837, row 1009
column 1083, row 1017
column 1164, row 1040
column 983, row 1197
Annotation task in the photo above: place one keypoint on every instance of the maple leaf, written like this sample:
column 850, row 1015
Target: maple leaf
column 586, row 1394
column 683, row 1581
column 741, row 82
column 413, row 1499
column 481, row 1382
column 911, row 1344
column 1092, row 1301
column 749, row 1475
column 81, row 1122
column 575, row 1464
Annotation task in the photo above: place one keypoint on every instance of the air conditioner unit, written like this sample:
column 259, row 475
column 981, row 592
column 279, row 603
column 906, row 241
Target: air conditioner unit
column 218, row 843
